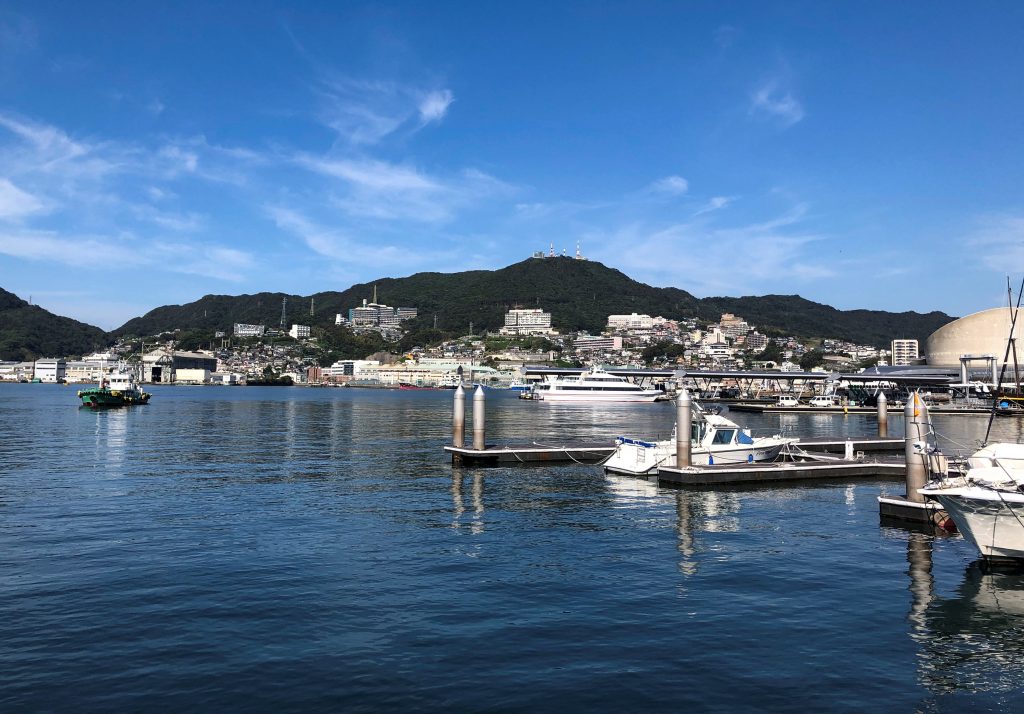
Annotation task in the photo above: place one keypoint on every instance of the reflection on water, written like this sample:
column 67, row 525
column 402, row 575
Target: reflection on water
column 111, row 437
column 274, row 547
column 702, row 512
column 476, row 524
column 973, row 640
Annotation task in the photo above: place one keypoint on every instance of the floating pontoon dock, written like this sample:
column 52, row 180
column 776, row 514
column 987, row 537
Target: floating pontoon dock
column 597, row 452
column 507, row 454
column 778, row 471
column 808, row 409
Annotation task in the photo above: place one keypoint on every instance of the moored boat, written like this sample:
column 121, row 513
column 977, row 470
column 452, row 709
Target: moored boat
column 987, row 502
column 595, row 385
column 714, row 439
column 115, row 390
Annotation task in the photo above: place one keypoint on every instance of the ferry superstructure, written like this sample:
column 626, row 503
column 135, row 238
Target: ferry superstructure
column 595, row 385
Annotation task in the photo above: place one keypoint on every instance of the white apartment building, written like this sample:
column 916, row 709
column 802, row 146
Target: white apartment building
column 587, row 343
column 634, row 322
column 299, row 332
column 527, row 322
column 242, row 330
column 904, row 352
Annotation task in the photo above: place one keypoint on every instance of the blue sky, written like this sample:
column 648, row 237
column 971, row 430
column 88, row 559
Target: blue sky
column 863, row 155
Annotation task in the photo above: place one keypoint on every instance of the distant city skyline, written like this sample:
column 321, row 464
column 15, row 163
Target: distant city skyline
column 860, row 155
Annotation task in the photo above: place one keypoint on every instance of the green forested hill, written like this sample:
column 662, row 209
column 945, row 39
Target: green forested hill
column 792, row 314
column 579, row 294
column 28, row 332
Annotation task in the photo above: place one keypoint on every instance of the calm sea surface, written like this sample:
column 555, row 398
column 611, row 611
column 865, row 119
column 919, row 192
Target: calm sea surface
column 289, row 548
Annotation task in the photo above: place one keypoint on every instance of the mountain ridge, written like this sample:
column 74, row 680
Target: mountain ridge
column 579, row 294
column 29, row 332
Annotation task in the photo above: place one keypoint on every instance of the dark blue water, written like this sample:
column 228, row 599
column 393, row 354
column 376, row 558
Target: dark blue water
column 313, row 549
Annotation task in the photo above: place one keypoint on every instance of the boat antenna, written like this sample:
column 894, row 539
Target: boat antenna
column 1014, row 311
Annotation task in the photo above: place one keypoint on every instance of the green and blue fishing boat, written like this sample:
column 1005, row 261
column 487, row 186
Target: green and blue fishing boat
column 115, row 390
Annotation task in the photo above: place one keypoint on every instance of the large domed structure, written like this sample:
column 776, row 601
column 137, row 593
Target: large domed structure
column 983, row 333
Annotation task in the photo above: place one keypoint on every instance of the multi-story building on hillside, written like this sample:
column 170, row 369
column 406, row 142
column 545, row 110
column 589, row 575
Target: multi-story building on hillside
column 242, row 330
column 527, row 322
column 377, row 315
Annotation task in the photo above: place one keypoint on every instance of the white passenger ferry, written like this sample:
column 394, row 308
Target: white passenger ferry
column 595, row 385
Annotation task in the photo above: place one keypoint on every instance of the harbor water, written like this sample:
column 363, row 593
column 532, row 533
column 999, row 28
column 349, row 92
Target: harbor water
column 314, row 549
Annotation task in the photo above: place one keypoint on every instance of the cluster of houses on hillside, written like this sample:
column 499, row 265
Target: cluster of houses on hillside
column 627, row 340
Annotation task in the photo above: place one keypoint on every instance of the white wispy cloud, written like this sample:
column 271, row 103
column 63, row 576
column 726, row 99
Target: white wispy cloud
column 772, row 100
column 764, row 257
column 365, row 112
column 997, row 243
column 15, row 203
column 714, row 204
column 208, row 260
column 48, row 246
column 671, row 185
column 339, row 245
column 435, row 105
column 371, row 188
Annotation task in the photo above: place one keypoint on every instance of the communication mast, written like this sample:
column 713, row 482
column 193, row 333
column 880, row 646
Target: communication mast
column 284, row 311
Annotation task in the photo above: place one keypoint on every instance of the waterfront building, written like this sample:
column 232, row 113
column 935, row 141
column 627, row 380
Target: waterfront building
column 192, row 376
column 50, row 371
column 527, row 322
column 977, row 334
column 242, row 330
column 904, row 352
column 161, row 366
column 346, row 369
column 16, row 371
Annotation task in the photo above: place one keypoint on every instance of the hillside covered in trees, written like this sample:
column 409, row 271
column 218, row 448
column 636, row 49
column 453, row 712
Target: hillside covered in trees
column 28, row 332
column 579, row 294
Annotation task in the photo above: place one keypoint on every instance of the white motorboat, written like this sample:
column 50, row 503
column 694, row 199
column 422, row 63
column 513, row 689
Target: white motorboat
column 987, row 501
column 595, row 385
column 713, row 440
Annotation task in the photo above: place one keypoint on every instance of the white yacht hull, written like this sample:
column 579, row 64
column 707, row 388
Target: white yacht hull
column 637, row 459
column 555, row 395
column 992, row 520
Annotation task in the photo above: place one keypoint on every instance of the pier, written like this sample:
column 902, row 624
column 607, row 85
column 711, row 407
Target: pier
column 852, row 464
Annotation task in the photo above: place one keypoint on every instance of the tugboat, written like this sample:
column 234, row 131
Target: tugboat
column 119, row 390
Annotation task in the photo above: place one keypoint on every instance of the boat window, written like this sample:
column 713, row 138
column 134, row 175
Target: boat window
column 724, row 436
column 744, row 438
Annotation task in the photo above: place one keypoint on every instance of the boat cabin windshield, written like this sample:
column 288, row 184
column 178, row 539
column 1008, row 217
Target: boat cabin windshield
column 724, row 436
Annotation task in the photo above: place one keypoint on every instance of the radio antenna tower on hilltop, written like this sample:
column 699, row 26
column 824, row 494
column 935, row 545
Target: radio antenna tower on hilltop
column 284, row 313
